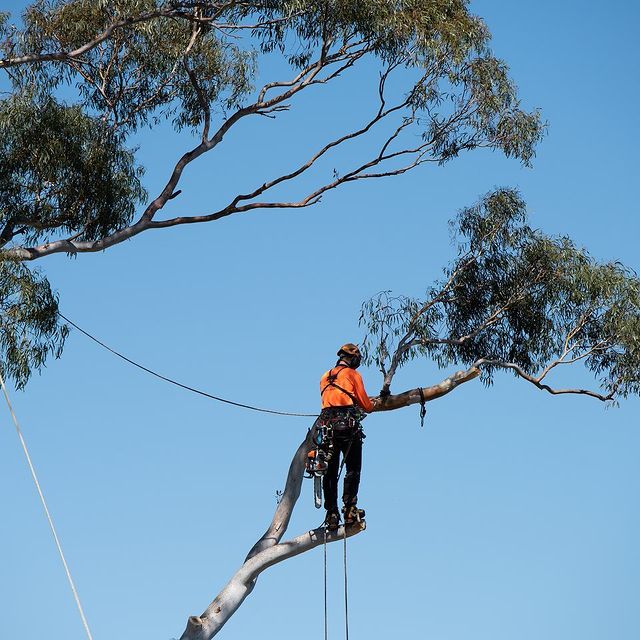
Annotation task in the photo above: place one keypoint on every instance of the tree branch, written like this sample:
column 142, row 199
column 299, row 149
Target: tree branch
column 177, row 11
column 303, row 80
column 242, row 583
column 269, row 549
column 520, row 372
column 407, row 398
column 67, row 56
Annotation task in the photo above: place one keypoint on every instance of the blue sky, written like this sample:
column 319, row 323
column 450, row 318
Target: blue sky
column 512, row 514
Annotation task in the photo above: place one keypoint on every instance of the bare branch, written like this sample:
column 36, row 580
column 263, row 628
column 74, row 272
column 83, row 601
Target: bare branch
column 535, row 381
column 339, row 60
column 204, row 103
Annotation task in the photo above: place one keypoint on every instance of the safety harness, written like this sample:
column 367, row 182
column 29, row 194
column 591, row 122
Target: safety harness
column 331, row 382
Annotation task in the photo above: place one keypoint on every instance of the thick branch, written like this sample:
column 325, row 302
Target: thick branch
column 240, row 586
column 268, row 550
column 290, row 496
column 391, row 402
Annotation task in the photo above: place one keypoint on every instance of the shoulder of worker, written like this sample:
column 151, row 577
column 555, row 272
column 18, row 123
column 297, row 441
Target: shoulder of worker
column 352, row 373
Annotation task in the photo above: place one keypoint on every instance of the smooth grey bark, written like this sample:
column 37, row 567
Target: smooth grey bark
column 269, row 549
column 241, row 584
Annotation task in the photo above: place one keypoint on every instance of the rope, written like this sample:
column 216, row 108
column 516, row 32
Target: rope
column 325, row 586
column 46, row 509
column 184, row 386
column 423, row 407
column 346, row 597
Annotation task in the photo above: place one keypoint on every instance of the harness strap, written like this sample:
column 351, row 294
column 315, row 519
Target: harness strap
column 331, row 382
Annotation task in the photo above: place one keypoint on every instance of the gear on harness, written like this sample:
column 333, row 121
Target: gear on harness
column 317, row 461
column 341, row 425
column 344, row 439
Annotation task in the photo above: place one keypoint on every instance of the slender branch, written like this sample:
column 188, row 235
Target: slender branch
column 562, row 359
column 202, row 99
column 545, row 387
column 339, row 55
column 65, row 56
column 308, row 200
column 175, row 12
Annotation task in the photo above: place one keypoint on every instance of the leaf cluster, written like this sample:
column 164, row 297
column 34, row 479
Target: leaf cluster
column 61, row 169
column 140, row 74
column 65, row 166
column 516, row 297
column 88, row 74
column 29, row 327
column 463, row 95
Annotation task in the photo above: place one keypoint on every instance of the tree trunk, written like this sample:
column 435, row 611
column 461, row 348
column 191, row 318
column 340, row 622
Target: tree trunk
column 269, row 549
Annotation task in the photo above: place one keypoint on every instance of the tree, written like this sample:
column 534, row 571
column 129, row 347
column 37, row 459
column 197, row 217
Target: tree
column 515, row 299
column 86, row 76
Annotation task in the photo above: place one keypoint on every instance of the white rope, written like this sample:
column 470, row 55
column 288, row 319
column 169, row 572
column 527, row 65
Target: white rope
column 46, row 509
column 346, row 591
column 326, row 628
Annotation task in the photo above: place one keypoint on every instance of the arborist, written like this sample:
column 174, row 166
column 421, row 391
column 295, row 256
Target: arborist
column 344, row 402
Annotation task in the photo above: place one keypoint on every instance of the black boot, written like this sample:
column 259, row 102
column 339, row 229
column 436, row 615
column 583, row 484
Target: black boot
column 332, row 521
column 352, row 514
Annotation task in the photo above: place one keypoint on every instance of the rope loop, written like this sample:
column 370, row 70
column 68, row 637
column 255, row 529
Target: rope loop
column 423, row 407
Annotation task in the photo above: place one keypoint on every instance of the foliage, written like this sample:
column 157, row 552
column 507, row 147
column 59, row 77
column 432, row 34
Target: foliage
column 515, row 298
column 29, row 329
column 85, row 76
column 61, row 169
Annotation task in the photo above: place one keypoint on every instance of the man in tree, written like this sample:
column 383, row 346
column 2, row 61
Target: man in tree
column 343, row 402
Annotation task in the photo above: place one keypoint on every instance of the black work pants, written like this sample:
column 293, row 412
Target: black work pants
column 347, row 443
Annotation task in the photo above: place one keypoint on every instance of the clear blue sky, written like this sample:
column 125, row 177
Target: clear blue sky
column 513, row 514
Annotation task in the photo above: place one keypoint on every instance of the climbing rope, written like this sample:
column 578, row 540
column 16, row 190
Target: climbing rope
column 346, row 596
column 346, row 593
column 325, row 585
column 46, row 509
column 179, row 384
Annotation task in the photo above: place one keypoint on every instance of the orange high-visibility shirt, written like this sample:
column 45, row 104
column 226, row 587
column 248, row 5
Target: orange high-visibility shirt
column 350, row 380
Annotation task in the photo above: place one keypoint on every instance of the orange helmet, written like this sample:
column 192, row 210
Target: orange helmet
column 350, row 354
column 349, row 349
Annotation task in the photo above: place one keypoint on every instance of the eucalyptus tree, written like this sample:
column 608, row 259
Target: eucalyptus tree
column 513, row 299
column 84, row 77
